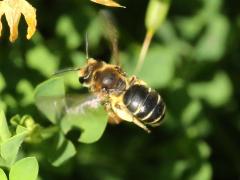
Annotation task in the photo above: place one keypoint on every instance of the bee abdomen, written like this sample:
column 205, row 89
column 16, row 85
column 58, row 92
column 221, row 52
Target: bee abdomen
column 145, row 104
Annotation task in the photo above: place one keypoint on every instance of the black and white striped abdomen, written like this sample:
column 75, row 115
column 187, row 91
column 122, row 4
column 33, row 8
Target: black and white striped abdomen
column 145, row 104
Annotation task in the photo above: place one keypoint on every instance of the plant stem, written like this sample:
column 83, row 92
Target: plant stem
column 144, row 49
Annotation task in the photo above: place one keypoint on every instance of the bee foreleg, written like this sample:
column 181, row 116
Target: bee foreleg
column 134, row 80
column 141, row 125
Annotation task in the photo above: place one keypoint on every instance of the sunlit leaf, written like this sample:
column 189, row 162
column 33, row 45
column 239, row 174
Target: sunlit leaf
column 158, row 68
column 43, row 60
column 92, row 123
column 10, row 148
column 179, row 168
column 217, row 92
column 2, row 175
column 191, row 111
column 43, row 95
column 204, row 172
column 2, row 82
column 26, row 169
column 13, row 10
column 204, row 149
column 4, row 131
column 25, row 88
column 199, row 129
column 66, row 29
column 62, row 150
column 211, row 46
column 110, row 3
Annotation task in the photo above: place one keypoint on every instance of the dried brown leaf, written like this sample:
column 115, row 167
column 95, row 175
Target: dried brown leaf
column 13, row 10
column 108, row 3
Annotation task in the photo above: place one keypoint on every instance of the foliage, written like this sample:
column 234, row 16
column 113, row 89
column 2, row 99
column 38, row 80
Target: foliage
column 193, row 61
column 26, row 168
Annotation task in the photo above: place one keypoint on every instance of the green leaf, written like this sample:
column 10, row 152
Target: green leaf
column 159, row 66
column 204, row 150
column 2, row 175
column 211, row 47
column 4, row 131
column 41, row 59
column 9, row 149
column 25, row 88
column 191, row 112
column 204, row 172
column 66, row 29
column 47, row 98
column 2, row 82
column 92, row 123
column 21, row 129
column 95, row 31
column 61, row 150
column 24, row 169
column 15, row 120
column 199, row 129
column 179, row 168
column 217, row 92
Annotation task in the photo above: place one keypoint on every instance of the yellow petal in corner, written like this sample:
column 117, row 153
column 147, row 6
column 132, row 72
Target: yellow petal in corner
column 108, row 3
column 13, row 10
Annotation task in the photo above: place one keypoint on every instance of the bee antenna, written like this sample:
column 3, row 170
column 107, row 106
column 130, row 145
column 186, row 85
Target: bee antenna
column 65, row 71
column 86, row 44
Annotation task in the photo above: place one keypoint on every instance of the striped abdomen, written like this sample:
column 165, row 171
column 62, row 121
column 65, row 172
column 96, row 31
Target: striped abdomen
column 145, row 104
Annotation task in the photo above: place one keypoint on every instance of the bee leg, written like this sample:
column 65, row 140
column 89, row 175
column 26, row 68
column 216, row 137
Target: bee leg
column 141, row 125
column 134, row 80
column 113, row 118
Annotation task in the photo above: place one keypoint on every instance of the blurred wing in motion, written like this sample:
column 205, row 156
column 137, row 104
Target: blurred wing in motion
column 81, row 105
column 55, row 108
column 84, row 113
column 111, row 34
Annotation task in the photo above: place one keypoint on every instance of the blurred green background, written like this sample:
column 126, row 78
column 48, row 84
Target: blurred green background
column 193, row 61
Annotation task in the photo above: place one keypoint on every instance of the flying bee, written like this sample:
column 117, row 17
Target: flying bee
column 124, row 98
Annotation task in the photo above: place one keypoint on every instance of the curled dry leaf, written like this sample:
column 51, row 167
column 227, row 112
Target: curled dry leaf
column 13, row 10
column 108, row 3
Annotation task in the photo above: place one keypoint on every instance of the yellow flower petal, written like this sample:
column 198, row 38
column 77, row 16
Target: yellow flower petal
column 108, row 3
column 13, row 10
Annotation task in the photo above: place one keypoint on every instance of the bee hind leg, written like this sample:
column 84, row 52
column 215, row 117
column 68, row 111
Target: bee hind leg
column 113, row 118
column 141, row 125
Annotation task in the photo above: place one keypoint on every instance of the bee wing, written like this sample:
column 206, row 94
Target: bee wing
column 73, row 113
column 111, row 34
column 56, row 107
column 79, row 105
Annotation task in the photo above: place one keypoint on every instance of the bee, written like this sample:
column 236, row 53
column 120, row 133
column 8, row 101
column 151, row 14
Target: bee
column 124, row 98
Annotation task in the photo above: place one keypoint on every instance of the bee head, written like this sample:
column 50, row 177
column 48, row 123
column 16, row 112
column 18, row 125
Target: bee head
column 86, row 73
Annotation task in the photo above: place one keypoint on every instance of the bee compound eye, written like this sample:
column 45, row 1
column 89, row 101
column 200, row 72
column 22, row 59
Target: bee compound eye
column 81, row 80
